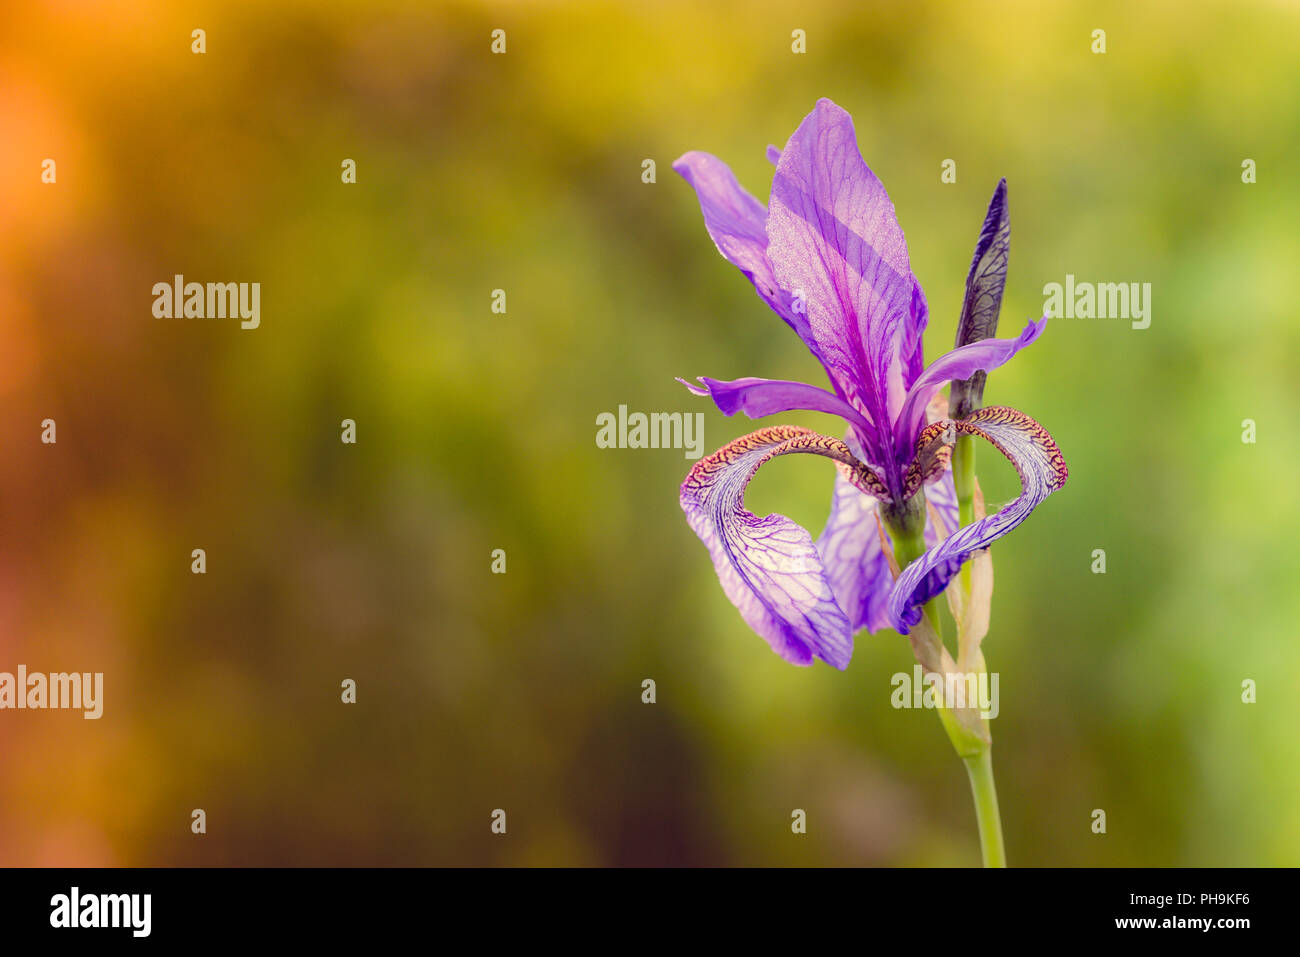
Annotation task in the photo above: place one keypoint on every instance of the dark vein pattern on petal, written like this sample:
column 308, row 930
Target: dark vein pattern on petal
column 933, row 453
column 835, row 241
column 856, row 565
column 737, row 224
column 1042, row 470
column 769, row 567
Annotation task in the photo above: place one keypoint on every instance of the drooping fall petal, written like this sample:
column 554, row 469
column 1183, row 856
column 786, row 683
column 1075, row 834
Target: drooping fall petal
column 1042, row 471
column 769, row 567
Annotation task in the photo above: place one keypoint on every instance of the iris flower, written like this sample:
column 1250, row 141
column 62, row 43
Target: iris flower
column 828, row 256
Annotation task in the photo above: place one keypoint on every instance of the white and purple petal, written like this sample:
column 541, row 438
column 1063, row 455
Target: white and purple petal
column 851, row 549
column 857, row 566
column 1042, row 471
column 769, row 567
column 941, row 496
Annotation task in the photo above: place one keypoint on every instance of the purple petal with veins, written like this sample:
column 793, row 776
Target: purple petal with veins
column 828, row 255
column 941, row 495
column 737, row 224
column 856, row 565
column 760, row 397
column 769, row 567
column 958, row 364
column 913, row 353
column 835, row 242
column 1042, row 471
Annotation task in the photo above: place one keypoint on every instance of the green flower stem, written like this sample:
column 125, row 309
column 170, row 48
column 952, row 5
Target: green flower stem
column 968, row 732
column 907, row 529
column 985, row 792
column 975, row 749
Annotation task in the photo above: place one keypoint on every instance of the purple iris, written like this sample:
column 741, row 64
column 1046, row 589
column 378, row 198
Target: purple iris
column 828, row 256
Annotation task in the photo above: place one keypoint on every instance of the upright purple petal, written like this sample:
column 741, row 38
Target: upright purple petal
column 912, row 349
column 957, row 364
column 760, row 397
column 769, row 567
column 835, row 244
column 1042, row 471
column 737, row 224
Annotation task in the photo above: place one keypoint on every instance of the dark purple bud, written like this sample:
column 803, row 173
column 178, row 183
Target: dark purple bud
column 984, row 285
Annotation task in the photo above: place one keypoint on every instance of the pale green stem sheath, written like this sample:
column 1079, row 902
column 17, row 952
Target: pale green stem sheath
column 907, row 529
column 985, row 792
column 979, row 765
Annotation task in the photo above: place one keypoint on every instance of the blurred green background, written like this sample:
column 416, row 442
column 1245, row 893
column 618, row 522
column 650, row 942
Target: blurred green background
column 476, row 431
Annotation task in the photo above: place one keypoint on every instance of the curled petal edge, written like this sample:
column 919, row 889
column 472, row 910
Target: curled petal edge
column 1042, row 470
column 769, row 567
